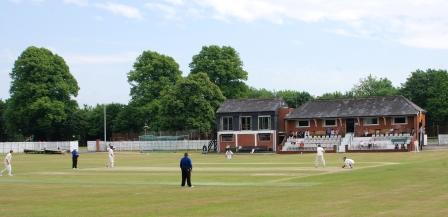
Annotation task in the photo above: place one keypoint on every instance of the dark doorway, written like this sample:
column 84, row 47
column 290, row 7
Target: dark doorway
column 350, row 125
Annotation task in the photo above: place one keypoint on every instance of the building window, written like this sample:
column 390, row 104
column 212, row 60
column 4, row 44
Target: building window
column 400, row 120
column 303, row 123
column 246, row 123
column 330, row 123
column 264, row 137
column 264, row 122
column 370, row 121
column 227, row 123
column 227, row 137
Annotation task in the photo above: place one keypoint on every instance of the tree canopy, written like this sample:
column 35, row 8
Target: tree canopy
column 373, row 86
column 42, row 92
column 191, row 104
column 3, row 135
column 429, row 90
column 294, row 98
column 224, row 68
column 152, row 73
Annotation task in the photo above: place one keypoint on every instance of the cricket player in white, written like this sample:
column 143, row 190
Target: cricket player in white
column 348, row 163
column 7, row 163
column 229, row 154
column 111, row 154
column 320, row 157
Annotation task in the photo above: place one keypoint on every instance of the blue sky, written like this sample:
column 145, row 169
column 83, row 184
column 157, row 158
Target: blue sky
column 315, row 46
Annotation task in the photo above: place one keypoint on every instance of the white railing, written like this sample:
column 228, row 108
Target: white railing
column 310, row 143
column 380, row 142
column 149, row 145
column 19, row 147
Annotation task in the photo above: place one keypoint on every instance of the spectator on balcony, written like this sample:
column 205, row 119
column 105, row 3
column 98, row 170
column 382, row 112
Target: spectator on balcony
column 328, row 131
column 307, row 133
column 366, row 132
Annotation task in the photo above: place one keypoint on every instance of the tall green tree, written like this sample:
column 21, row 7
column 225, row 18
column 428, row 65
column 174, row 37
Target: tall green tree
column 3, row 135
column 224, row 68
column 373, row 86
column 152, row 73
column 293, row 98
column 191, row 104
column 429, row 89
column 42, row 96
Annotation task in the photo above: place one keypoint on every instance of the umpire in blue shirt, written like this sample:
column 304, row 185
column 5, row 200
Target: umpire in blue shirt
column 186, row 166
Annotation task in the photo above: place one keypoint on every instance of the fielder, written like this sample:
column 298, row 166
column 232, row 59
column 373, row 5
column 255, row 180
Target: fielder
column 229, row 154
column 111, row 155
column 320, row 157
column 348, row 163
column 7, row 163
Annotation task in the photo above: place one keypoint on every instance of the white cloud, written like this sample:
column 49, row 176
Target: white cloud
column 175, row 2
column 169, row 11
column 122, row 10
column 81, row 3
column 416, row 23
column 83, row 59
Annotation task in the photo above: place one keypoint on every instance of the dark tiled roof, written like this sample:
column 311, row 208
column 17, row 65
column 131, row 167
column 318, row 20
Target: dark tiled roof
column 251, row 105
column 362, row 107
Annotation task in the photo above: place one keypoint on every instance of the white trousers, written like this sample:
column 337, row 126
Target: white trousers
column 320, row 161
column 7, row 168
column 229, row 156
column 348, row 165
column 111, row 161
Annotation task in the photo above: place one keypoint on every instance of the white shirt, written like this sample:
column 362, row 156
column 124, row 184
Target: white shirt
column 349, row 162
column 111, row 152
column 320, row 151
column 8, row 158
column 229, row 152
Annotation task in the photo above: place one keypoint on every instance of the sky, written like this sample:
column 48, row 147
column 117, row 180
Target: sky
column 316, row 46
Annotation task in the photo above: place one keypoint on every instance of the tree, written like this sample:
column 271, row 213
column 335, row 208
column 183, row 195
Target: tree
column 224, row 68
column 42, row 96
column 152, row 73
column 92, row 122
column 131, row 119
column 336, row 95
column 191, row 104
column 261, row 93
column 429, row 90
column 3, row 135
column 373, row 86
column 293, row 98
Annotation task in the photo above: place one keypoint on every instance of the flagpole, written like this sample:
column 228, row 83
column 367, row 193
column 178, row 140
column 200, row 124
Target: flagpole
column 105, row 138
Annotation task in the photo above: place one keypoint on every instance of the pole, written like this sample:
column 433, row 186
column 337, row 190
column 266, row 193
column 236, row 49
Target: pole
column 105, row 138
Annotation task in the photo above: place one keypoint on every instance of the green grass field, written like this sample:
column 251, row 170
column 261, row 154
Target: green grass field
column 382, row 184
